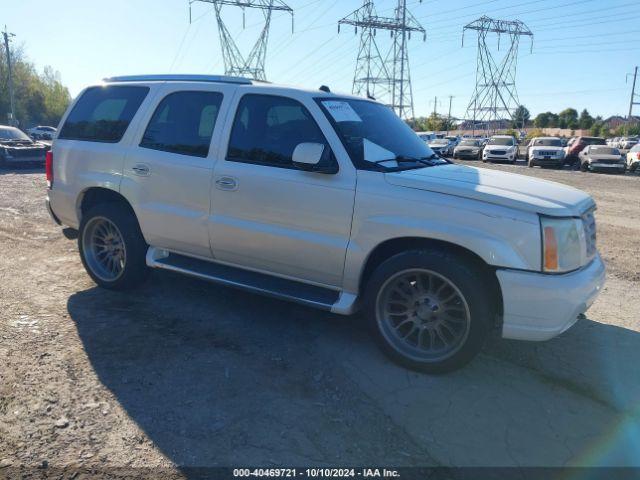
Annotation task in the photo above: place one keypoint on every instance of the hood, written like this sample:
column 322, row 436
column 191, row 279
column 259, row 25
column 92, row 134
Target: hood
column 500, row 188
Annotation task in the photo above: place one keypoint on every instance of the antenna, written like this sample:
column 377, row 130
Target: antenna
column 234, row 62
column 384, row 77
column 495, row 96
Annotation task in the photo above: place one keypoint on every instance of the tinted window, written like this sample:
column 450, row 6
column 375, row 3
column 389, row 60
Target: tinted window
column 103, row 114
column 183, row 123
column 593, row 141
column 267, row 129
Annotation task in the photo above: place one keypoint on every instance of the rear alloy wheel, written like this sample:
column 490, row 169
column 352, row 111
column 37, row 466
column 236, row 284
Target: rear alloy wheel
column 112, row 247
column 427, row 311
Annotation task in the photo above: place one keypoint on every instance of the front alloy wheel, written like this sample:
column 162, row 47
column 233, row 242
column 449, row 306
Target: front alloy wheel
column 430, row 310
column 423, row 315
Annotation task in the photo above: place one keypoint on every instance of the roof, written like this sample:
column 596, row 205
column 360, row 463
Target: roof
column 179, row 78
column 219, row 79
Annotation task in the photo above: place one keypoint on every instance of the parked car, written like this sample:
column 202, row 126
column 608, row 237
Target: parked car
column 469, row 149
column 545, row 152
column 17, row 148
column 633, row 158
column 442, row 147
column 627, row 143
column 426, row 136
column 42, row 133
column 601, row 157
column 576, row 145
column 328, row 200
column 501, row 148
column 454, row 140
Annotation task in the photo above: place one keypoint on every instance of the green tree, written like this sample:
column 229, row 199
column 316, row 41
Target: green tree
column 568, row 118
column 521, row 117
column 585, row 121
column 40, row 98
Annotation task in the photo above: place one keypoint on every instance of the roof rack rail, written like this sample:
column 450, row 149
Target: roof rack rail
column 179, row 78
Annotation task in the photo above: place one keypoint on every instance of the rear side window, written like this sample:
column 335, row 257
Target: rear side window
column 267, row 129
column 103, row 114
column 183, row 123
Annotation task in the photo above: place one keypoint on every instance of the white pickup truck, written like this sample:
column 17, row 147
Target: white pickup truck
column 324, row 199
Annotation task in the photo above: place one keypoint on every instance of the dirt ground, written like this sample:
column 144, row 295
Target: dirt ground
column 182, row 373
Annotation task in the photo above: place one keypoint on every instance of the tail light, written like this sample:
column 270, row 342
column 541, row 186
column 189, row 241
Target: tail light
column 48, row 166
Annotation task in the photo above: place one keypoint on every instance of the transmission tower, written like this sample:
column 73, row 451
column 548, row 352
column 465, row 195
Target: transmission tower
column 235, row 63
column 495, row 97
column 385, row 77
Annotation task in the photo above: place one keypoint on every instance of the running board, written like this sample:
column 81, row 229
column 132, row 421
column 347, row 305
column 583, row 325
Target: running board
column 277, row 287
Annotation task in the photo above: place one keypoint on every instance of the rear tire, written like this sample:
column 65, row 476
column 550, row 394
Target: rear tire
column 112, row 248
column 437, row 302
column 584, row 167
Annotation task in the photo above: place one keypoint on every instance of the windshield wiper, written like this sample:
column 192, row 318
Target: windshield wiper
column 423, row 161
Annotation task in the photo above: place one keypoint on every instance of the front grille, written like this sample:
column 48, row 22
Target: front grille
column 498, row 152
column 589, row 222
column 606, row 161
column 547, row 153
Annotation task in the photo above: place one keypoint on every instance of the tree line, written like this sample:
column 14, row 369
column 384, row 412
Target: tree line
column 566, row 119
column 40, row 97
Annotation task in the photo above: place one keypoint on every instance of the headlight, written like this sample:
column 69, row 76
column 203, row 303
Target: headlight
column 564, row 246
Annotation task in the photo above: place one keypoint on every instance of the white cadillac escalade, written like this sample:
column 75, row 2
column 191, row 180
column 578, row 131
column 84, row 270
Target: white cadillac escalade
column 323, row 199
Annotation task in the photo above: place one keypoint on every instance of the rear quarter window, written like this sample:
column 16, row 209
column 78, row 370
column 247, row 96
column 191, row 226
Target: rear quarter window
column 103, row 114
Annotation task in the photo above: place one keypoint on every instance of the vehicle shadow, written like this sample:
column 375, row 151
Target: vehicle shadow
column 21, row 169
column 218, row 377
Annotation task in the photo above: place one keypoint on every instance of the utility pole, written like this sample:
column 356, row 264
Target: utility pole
column 7, row 36
column 449, row 116
column 435, row 106
column 632, row 102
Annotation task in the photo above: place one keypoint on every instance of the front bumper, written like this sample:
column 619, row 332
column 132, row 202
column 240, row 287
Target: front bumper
column 538, row 307
column 547, row 161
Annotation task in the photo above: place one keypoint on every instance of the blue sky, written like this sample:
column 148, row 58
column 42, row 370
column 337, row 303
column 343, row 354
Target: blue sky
column 582, row 49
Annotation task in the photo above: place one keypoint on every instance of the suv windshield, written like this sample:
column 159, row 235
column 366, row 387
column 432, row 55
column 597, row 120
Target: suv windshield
column 506, row 141
column 374, row 136
column 593, row 141
column 469, row 143
column 440, row 141
column 10, row 133
column 547, row 142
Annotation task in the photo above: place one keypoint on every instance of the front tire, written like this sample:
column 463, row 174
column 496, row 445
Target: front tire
column 112, row 248
column 428, row 310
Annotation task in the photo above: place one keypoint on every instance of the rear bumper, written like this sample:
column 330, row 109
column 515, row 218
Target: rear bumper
column 52, row 214
column 538, row 307
column 607, row 166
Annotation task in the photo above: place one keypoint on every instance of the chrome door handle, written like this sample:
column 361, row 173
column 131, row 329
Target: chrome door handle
column 141, row 169
column 227, row 183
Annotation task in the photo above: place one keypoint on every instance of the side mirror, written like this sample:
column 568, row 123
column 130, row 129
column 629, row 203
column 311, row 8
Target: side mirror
column 314, row 157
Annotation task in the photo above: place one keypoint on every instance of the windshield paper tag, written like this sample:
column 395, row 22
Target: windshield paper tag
column 341, row 111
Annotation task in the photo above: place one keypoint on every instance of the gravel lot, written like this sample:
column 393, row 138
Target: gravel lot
column 181, row 373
